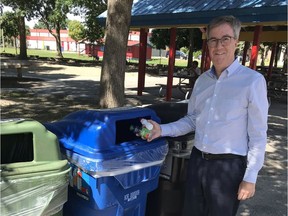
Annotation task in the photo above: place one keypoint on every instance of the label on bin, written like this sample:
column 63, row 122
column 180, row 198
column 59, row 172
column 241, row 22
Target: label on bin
column 79, row 181
column 131, row 196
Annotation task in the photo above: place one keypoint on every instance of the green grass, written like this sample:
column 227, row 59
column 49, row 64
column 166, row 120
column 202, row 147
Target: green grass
column 163, row 61
column 76, row 56
column 47, row 53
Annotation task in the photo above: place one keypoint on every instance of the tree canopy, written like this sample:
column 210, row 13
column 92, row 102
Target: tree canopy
column 39, row 25
column 90, row 10
column 76, row 31
column 9, row 24
column 190, row 39
column 160, row 38
column 53, row 13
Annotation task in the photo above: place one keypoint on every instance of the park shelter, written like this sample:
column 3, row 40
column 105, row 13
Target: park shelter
column 262, row 20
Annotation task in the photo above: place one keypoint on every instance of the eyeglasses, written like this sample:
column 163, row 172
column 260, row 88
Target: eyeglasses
column 225, row 41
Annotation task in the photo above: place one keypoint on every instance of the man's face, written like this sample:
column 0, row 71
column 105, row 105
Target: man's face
column 222, row 51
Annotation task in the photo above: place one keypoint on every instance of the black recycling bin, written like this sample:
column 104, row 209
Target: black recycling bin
column 168, row 199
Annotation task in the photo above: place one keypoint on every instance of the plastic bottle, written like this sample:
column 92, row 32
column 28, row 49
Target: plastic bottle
column 144, row 131
column 147, row 124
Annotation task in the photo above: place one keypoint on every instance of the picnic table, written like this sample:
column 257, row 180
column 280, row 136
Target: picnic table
column 276, row 81
column 185, row 83
column 18, row 65
column 277, row 88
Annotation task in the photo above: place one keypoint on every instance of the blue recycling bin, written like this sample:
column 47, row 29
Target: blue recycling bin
column 113, row 170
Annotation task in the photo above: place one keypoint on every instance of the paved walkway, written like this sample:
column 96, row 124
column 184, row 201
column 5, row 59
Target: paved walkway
column 68, row 88
column 87, row 81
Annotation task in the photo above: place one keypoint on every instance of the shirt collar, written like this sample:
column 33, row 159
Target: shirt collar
column 230, row 70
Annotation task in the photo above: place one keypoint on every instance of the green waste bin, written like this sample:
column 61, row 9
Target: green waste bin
column 34, row 178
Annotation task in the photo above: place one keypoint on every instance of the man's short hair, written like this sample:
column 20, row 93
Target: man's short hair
column 230, row 20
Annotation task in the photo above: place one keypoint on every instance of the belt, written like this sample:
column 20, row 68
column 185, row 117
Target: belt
column 209, row 156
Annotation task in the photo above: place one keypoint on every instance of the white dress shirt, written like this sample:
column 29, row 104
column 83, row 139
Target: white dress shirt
column 229, row 115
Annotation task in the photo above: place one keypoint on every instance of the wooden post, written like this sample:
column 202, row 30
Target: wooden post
column 269, row 72
column 172, row 50
column 204, row 42
column 276, row 55
column 245, row 51
column 207, row 59
column 203, row 55
column 19, row 70
column 142, row 60
column 255, row 47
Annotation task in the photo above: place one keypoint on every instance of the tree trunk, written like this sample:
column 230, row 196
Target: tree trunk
column 3, row 40
column 77, row 48
column 15, row 45
column 262, row 56
column 114, row 60
column 22, row 31
column 56, row 36
column 191, row 48
column 58, row 41
column 277, row 55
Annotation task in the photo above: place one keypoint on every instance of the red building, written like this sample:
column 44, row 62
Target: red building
column 43, row 39
column 132, row 47
column 131, row 53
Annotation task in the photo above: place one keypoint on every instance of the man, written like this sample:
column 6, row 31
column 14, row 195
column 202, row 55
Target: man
column 228, row 110
column 195, row 70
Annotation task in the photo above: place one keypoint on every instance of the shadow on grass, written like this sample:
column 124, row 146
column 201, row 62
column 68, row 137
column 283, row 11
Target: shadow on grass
column 50, row 103
column 57, row 99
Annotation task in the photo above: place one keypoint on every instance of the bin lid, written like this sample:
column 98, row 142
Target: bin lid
column 102, row 133
column 26, row 140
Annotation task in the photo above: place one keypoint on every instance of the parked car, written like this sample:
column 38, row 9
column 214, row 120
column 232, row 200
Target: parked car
column 179, row 54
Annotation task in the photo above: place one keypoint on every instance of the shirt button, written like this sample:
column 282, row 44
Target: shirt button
column 211, row 108
column 205, row 135
column 215, row 95
column 208, row 122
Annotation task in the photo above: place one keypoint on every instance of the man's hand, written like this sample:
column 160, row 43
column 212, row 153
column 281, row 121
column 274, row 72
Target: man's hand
column 246, row 190
column 156, row 131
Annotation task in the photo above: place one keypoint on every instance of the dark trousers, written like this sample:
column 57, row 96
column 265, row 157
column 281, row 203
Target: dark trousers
column 212, row 185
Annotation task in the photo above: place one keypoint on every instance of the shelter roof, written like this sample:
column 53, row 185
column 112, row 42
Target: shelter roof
column 197, row 13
